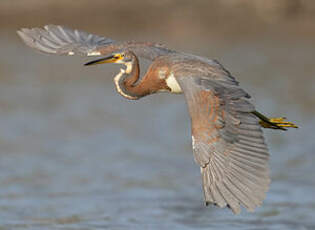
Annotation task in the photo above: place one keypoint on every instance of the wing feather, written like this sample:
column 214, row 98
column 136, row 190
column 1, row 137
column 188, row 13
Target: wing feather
column 228, row 142
column 63, row 41
column 60, row 40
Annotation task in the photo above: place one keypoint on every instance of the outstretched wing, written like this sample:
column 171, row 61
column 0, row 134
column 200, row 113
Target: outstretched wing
column 227, row 141
column 55, row 39
column 63, row 41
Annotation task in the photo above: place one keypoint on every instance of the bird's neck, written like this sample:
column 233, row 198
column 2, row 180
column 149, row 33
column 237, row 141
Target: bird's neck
column 131, row 87
column 132, row 74
column 127, row 83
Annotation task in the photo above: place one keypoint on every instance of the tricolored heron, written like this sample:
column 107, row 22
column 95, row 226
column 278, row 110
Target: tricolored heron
column 227, row 139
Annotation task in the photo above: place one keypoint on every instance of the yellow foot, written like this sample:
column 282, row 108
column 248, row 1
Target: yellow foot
column 277, row 123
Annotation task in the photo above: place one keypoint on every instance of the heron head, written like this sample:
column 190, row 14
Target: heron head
column 123, row 57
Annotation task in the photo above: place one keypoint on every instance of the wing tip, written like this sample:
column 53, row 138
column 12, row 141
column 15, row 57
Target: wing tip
column 237, row 194
column 24, row 34
column 236, row 208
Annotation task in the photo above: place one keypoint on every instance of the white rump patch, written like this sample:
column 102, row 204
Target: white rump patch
column 173, row 84
column 70, row 53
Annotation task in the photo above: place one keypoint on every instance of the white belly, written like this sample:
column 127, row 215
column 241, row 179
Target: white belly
column 173, row 84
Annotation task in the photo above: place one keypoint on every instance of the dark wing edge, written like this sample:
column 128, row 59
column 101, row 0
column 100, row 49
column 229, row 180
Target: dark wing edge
column 60, row 40
column 228, row 142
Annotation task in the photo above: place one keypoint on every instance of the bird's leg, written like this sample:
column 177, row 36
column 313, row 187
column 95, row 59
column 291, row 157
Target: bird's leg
column 274, row 123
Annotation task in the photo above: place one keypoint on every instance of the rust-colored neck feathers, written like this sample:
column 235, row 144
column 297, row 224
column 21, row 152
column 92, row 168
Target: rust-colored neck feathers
column 129, row 85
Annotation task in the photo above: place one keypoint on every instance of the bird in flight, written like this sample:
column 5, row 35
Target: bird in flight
column 227, row 138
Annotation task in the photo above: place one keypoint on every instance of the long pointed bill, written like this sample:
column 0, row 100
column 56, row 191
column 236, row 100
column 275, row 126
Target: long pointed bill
column 109, row 59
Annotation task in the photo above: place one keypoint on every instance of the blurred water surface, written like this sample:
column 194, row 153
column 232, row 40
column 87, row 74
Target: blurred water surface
column 75, row 155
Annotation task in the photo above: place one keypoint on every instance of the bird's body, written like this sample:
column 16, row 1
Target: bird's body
column 227, row 139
